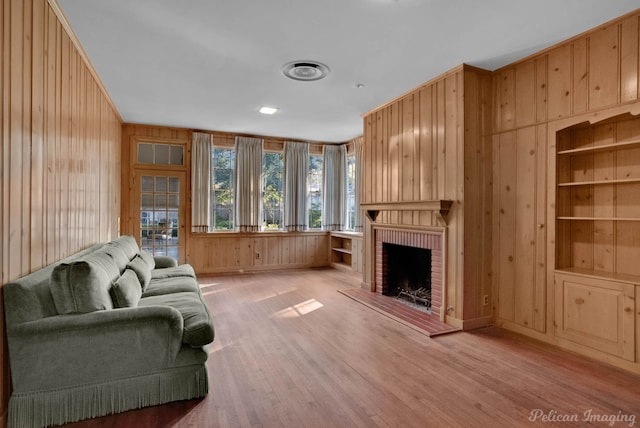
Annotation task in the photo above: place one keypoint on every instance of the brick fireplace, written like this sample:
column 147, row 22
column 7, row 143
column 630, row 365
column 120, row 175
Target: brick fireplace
column 431, row 240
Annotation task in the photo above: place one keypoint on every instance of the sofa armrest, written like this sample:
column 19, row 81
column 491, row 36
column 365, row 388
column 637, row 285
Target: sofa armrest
column 66, row 350
column 165, row 262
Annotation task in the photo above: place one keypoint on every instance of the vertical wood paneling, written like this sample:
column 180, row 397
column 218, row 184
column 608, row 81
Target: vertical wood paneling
column 524, row 216
column 629, row 57
column 46, row 135
column 525, row 100
column 580, row 76
column 604, row 63
column 559, row 60
column 507, row 168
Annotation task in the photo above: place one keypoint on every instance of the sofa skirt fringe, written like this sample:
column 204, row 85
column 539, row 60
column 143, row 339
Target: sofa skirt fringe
column 64, row 405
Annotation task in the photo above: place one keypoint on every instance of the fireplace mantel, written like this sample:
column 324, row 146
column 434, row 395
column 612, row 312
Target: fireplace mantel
column 440, row 206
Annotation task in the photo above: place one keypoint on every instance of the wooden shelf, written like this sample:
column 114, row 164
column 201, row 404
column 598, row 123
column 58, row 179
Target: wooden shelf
column 601, row 148
column 599, row 182
column 440, row 206
column 342, row 250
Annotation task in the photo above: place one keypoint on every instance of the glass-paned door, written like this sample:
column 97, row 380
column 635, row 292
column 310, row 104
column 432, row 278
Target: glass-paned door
column 160, row 197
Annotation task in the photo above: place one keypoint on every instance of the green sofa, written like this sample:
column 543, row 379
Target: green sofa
column 108, row 329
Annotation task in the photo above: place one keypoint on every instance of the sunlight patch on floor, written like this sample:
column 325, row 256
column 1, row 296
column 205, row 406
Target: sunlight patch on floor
column 299, row 309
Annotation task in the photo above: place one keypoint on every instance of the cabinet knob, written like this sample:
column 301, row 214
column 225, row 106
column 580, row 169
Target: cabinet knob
column 579, row 301
column 541, row 226
column 627, row 309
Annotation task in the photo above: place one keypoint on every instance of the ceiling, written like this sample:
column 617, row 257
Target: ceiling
column 211, row 64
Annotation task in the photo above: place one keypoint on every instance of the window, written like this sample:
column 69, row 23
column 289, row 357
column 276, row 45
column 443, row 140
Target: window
column 272, row 190
column 223, row 170
column 160, row 154
column 351, row 192
column 314, row 191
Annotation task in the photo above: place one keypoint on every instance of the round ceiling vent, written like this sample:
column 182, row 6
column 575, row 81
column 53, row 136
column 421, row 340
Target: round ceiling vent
column 305, row 70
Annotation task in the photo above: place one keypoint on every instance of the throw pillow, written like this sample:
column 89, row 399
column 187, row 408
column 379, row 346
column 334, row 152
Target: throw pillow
column 80, row 287
column 141, row 268
column 126, row 291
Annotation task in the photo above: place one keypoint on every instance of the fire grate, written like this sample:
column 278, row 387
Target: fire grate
column 419, row 296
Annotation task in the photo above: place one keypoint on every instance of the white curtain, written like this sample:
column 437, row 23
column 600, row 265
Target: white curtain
column 335, row 187
column 296, row 170
column 201, row 181
column 248, row 183
column 358, row 146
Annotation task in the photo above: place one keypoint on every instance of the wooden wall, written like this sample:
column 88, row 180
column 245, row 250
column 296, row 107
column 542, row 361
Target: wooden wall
column 223, row 251
column 429, row 145
column 594, row 74
column 60, row 154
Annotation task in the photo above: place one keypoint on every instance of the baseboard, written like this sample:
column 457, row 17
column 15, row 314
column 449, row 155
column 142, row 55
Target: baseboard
column 469, row 324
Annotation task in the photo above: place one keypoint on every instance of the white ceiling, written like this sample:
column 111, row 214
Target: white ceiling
column 210, row 64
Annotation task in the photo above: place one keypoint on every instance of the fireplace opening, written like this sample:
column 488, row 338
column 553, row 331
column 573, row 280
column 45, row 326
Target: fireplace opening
column 408, row 274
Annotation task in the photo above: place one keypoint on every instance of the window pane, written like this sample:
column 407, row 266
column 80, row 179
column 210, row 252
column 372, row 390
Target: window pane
column 161, row 184
column 146, row 202
column 174, row 184
column 272, row 191
column 314, row 191
column 173, row 202
column 145, row 153
column 351, row 192
column 147, row 183
column 222, row 180
column 176, row 155
column 162, row 154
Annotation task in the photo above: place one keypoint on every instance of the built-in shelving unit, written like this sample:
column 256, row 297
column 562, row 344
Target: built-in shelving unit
column 598, row 234
column 346, row 251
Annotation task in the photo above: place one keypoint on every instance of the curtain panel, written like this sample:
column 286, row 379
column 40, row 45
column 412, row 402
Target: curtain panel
column 334, row 212
column 202, row 146
column 296, row 170
column 358, row 145
column 248, row 184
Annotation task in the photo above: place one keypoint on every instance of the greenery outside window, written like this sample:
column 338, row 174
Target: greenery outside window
column 222, row 198
column 314, row 191
column 351, row 192
column 272, row 190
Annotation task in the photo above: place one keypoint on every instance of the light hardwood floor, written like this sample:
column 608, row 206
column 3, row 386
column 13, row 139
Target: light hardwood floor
column 290, row 351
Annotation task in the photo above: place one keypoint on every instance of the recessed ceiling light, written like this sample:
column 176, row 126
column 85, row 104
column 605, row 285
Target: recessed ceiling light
column 305, row 70
column 268, row 110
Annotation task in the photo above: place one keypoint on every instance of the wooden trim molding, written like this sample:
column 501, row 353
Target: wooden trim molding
column 440, row 206
column 55, row 7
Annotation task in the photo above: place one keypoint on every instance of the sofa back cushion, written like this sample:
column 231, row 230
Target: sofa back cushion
column 128, row 244
column 117, row 254
column 83, row 286
column 126, row 291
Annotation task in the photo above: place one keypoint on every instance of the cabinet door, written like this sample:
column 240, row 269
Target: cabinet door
column 598, row 313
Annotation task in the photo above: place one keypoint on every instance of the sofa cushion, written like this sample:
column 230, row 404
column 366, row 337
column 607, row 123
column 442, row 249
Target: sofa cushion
column 171, row 285
column 82, row 286
column 128, row 244
column 117, row 254
column 126, row 291
column 172, row 272
column 198, row 325
column 148, row 259
column 141, row 269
